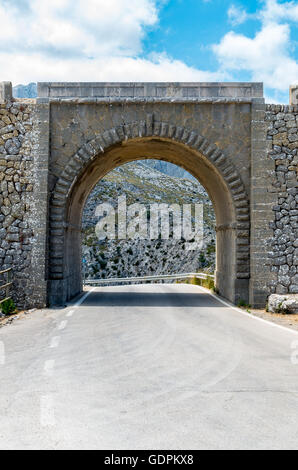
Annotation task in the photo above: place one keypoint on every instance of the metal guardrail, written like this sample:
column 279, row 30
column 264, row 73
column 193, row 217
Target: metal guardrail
column 98, row 282
column 8, row 283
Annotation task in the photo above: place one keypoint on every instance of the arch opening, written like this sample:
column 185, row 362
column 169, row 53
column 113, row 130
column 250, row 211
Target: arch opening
column 135, row 223
column 232, row 259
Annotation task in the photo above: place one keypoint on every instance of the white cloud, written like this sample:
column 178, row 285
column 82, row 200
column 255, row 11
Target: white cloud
column 274, row 11
column 84, row 27
column 266, row 56
column 237, row 15
column 36, row 67
column 84, row 40
column 101, row 40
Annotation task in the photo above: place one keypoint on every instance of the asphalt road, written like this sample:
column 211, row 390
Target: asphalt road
column 147, row 367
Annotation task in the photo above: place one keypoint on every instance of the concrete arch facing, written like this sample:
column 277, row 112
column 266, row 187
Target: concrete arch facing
column 145, row 139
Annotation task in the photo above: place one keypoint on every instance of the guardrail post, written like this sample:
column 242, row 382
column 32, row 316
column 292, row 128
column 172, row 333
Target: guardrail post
column 7, row 286
column 7, row 273
column 8, row 283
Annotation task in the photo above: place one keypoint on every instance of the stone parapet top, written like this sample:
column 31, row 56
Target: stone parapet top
column 157, row 100
column 282, row 108
column 150, row 90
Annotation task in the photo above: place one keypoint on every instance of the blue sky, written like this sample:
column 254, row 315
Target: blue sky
column 151, row 40
column 188, row 28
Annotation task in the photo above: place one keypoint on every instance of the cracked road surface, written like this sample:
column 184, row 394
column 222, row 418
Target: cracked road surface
column 147, row 367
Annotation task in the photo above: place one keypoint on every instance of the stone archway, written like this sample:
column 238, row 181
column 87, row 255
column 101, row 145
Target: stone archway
column 149, row 138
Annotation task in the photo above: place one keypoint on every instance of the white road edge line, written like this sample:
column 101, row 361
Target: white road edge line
column 295, row 332
column 82, row 299
column 47, row 417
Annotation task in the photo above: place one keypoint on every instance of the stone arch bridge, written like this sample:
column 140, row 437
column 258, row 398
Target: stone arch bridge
column 54, row 149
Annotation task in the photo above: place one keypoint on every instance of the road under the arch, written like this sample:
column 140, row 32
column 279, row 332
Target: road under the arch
column 147, row 367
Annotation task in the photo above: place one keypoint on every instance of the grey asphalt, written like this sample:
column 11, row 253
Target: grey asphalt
column 147, row 367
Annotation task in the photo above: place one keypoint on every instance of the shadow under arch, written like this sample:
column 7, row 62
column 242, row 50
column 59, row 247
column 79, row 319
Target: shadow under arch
column 138, row 141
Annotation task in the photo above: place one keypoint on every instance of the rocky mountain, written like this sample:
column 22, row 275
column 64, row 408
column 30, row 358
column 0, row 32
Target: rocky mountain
column 168, row 169
column 138, row 257
column 25, row 91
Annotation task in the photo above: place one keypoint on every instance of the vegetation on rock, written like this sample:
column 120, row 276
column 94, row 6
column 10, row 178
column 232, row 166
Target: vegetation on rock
column 124, row 258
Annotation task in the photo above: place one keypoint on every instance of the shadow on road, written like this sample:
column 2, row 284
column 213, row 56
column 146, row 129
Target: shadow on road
column 149, row 299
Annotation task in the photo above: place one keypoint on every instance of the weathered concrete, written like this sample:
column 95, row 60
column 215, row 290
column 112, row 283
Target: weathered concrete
column 221, row 133
column 293, row 94
column 5, row 92
column 149, row 90
column 121, row 133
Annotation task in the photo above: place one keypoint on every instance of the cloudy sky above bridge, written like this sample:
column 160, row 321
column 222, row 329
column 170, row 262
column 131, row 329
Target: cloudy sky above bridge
column 151, row 40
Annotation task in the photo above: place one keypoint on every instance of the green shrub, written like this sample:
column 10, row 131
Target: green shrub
column 103, row 263
column 208, row 282
column 210, row 249
column 195, row 281
column 243, row 304
column 202, row 260
column 8, row 307
column 281, row 309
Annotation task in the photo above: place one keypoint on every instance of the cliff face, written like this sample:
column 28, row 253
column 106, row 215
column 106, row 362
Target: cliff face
column 124, row 258
column 25, row 91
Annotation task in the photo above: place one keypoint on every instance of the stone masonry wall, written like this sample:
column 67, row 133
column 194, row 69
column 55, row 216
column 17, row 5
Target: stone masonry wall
column 282, row 139
column 16, row 187
column 24, row 147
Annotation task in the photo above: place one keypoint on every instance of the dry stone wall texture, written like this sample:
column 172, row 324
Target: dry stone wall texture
column 16, row 189
column 282, row 138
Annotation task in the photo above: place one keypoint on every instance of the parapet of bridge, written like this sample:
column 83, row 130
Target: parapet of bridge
column 224, row 133
column 149, row 91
